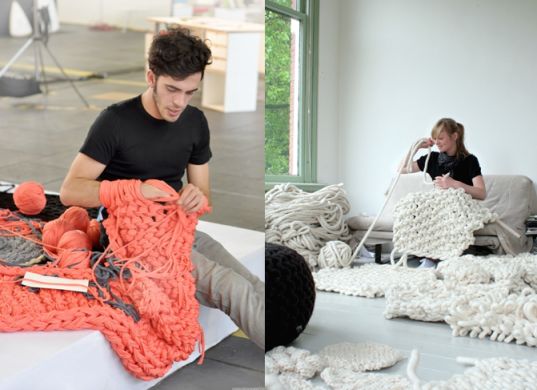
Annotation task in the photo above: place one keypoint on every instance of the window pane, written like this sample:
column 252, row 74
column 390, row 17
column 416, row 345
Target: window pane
column 293, row 4
column 282, row 44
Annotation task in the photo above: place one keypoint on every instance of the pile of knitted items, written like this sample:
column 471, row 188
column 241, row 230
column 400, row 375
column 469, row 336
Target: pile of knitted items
column 141, row 290
column 481, row 297
column 437, row 224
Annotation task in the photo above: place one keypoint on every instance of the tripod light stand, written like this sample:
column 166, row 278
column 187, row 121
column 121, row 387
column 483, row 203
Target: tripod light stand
column 38, row 40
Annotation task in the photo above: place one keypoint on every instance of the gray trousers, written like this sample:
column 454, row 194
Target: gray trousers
column 222, row 282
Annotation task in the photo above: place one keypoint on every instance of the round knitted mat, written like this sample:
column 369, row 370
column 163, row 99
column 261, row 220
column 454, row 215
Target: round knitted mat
column 360, row 356
column 19, row 251
column 290, row 295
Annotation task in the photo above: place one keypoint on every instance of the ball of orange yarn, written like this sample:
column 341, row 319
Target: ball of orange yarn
column 72, row 258
column 29, row 197
column 74, row 239
column 52, row 232
column 77, row 217
column 94, row 232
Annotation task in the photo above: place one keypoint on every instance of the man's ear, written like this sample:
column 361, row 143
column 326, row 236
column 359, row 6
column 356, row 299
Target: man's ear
column 151, row 78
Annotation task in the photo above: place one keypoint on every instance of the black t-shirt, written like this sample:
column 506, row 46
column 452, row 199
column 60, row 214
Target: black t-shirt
column 465, row 169
column 134, row 145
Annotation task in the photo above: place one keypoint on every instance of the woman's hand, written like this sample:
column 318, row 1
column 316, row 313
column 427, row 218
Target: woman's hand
column 191, row 198
column 428, row 143
column 445, row 182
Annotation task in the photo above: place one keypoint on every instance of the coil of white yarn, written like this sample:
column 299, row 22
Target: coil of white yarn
column 306, row 221
column 335, row 254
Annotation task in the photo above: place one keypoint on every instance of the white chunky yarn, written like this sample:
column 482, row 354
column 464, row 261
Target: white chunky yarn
column 306, row 221
column 345, row 379
column 335, row 254
column 513, row 318
column 292, row 360
column 432, row 300
column 491, row 374
column 360, row 356
column 438, row 224
column 369, row 280
column 520, row 270
column 478, row 297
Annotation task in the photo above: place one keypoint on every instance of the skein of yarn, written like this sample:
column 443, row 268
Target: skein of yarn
column 335, row 254
column 52, row 232
column 29, row 197
column 94, row 232
column 77, row 217
column 74, row 239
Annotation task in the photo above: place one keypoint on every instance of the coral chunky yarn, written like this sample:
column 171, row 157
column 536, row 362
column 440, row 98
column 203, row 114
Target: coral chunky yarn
column 29, row 197
column 141, row 293
column 94, row 232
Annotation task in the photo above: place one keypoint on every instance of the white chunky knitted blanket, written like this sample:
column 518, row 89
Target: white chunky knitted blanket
column 291, row 368
column 437, row 224
column 369, row 280
column 478, row 297
column 485, row 374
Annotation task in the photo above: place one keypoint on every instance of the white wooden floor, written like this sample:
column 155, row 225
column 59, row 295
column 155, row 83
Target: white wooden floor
column 340, row 318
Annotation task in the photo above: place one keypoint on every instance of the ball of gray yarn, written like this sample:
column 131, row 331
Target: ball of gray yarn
column 335, row 254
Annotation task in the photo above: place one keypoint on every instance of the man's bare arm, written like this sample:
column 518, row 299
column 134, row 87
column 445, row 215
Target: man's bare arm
column 80, row 186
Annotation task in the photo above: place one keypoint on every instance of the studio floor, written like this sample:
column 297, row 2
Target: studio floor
column 339, row 318
column 42, row 134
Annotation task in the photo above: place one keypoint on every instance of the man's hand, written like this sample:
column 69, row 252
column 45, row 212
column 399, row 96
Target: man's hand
column 446, row 182
column 151, row 192
column 191, row 198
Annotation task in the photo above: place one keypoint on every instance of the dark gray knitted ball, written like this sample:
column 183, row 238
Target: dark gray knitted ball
column 290, row 295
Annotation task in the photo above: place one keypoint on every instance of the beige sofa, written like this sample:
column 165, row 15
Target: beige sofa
column 512, row 197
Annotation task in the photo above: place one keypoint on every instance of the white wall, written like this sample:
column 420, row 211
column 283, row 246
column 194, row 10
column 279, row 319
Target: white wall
column 404, row 64
column 328, row 94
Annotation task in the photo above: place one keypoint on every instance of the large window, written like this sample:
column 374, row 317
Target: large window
column 290, row 86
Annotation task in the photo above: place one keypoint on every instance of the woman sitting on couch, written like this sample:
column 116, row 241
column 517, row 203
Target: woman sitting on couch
column 452, row 166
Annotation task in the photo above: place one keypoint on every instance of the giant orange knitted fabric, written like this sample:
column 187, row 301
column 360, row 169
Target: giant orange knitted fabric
column 146, row 309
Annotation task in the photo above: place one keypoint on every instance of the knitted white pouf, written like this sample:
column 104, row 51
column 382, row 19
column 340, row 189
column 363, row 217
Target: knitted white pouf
column 335, row 254
column 345, row 379
column 438, row 224
column 360, row 356
column 491, row 374
column 369, row 280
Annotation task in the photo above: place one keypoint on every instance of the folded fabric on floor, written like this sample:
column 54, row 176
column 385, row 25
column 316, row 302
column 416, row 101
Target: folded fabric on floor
column 141, row 290
column 437, row 224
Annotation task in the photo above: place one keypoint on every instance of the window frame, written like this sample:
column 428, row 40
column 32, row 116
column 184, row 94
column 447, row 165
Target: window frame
column 308, row 17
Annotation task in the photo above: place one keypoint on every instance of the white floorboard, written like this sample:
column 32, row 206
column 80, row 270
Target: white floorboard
column 340, row 318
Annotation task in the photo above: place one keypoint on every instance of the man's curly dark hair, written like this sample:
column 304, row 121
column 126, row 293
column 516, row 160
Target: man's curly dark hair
column 178, row 53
